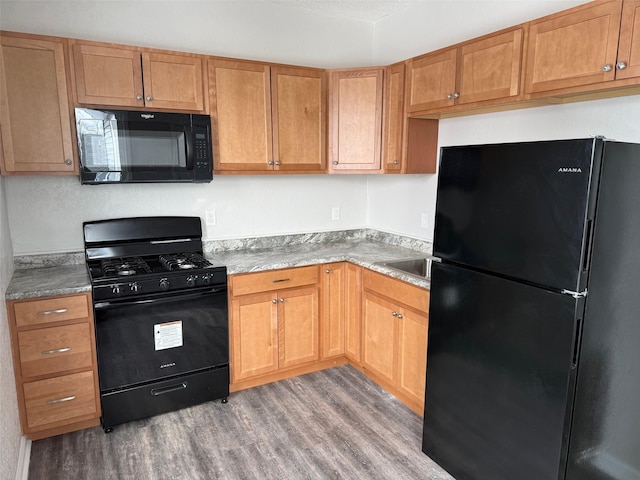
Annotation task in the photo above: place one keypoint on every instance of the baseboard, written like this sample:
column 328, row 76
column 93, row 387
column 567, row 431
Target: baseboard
column 22, row 472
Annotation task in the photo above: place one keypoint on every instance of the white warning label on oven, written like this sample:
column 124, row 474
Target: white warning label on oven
column 167, row 335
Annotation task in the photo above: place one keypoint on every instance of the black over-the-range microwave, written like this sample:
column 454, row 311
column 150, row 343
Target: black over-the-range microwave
column 120, row 146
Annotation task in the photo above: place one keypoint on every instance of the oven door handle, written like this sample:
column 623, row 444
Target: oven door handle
column 161, row 298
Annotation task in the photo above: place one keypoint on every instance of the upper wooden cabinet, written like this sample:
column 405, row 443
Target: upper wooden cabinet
column 393, row 118
column 584, row 48
column 107, row 75
column 355, row 120
column 35, row 124
column 472, row 74
column 267, row 118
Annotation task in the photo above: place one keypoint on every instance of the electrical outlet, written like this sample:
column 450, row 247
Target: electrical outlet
column 424, row 220
column 210, row 217
column 335, row 213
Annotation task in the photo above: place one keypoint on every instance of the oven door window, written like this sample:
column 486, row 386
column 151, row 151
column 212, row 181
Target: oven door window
column 154, row 338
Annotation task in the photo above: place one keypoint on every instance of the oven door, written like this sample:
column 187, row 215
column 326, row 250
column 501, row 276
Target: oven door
column 121, row 146
column 161, row 336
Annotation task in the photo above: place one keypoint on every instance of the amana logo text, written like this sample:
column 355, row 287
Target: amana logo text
column 147, row 116
column 570, row 170
column 172, row 364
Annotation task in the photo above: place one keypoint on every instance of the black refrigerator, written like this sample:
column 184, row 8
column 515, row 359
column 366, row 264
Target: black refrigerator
column 533, row 363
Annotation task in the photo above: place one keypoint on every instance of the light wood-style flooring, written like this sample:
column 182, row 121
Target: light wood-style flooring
column 333, row 424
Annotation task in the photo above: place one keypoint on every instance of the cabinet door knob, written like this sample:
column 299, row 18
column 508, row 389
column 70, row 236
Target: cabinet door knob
column 138, row 97
column 282, row 300
column 606, row 67
column 270, row 162
column 149, row 98
column 449, row 96
column 277, row 163
column 400, row 316
column 274, row 301
column 396, row 162
column 335, row 163
column 395, row 314
column 621, row 65
column 456, row 95
column 68, row 161
column 327, row 271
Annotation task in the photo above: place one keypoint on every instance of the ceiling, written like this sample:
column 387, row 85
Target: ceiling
column 365, row 10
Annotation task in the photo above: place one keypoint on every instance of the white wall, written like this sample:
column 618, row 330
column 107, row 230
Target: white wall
column 9, row 425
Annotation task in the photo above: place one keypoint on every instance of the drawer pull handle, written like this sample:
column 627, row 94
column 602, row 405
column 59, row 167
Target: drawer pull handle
column 171, row 388
column 57, row 350
column 53, row 312
column 280, row 280
column 60, row 400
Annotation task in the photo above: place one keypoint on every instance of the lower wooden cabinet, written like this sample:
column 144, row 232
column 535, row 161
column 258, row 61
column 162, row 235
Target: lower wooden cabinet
column 394, row 336
column 274, row 319
column 55, row 365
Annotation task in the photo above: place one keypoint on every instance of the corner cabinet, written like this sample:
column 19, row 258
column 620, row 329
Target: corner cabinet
column 355, row 120
column 126, row 77
column 267, row 118
column 394, row 336
column 480, row 72
column 55, row 366
column 274, row 324
column 35, row 122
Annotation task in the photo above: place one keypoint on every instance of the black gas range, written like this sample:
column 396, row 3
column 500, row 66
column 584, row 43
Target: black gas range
column 161, row 316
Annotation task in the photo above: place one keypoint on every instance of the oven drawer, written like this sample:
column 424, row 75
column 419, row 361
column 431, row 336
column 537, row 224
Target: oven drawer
column 250, row 283
column 49, row 310
column 55, row 349
column 59, row 399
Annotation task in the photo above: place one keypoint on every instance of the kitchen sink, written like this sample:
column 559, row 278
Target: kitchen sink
column 420, row 267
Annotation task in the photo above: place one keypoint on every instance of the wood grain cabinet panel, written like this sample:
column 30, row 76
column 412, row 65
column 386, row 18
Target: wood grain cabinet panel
column 353, row 312
column 476, row 72
column 35, row 123
column 55, row 364
column 393, row 118
column 126, row 77
column 356, row 120
column 333, row 309
column 273, row 329
column 394, row 336
column 629, row 44
column 573, row 48
column 267, row 119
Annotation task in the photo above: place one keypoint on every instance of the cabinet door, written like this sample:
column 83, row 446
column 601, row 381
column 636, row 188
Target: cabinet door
column 380, row 337
column 490, row 69
column 392, row 145
column 34, row 107
column 254, row 330
column 353, row 310
column 240, row 97
column 172, row 81
column 569, row 50
column 108, row 75
column 412, row 355
column 432, row 81
column 333, row 310
column 299, row 119
column 629, row 47
column 298, row 324
column 356, row 120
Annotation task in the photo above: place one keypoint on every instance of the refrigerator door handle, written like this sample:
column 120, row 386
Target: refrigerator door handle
column 582, row 294
column 576, row 344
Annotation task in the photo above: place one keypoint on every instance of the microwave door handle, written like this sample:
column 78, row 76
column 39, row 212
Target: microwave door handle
column 188, row 135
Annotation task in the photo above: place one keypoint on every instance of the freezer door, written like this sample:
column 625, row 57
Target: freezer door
column 517, row 209
column 499, row 376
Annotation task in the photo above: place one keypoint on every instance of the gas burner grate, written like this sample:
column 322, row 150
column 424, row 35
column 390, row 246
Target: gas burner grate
column 124, row 267
column 183, row 261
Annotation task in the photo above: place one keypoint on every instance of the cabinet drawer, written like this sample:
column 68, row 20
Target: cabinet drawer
column 273, row 280
column 396, row 290
column 56, row 349
column 50, row 310
column 58, row 399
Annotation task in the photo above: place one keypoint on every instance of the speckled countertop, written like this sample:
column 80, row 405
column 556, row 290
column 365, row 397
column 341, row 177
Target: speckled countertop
column 277, row 252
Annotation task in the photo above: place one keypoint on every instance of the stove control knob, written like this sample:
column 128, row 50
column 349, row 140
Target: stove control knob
column 191, row 281
column 134, row 287
column 206, row 278
column 115, row 289
column 164, row 283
